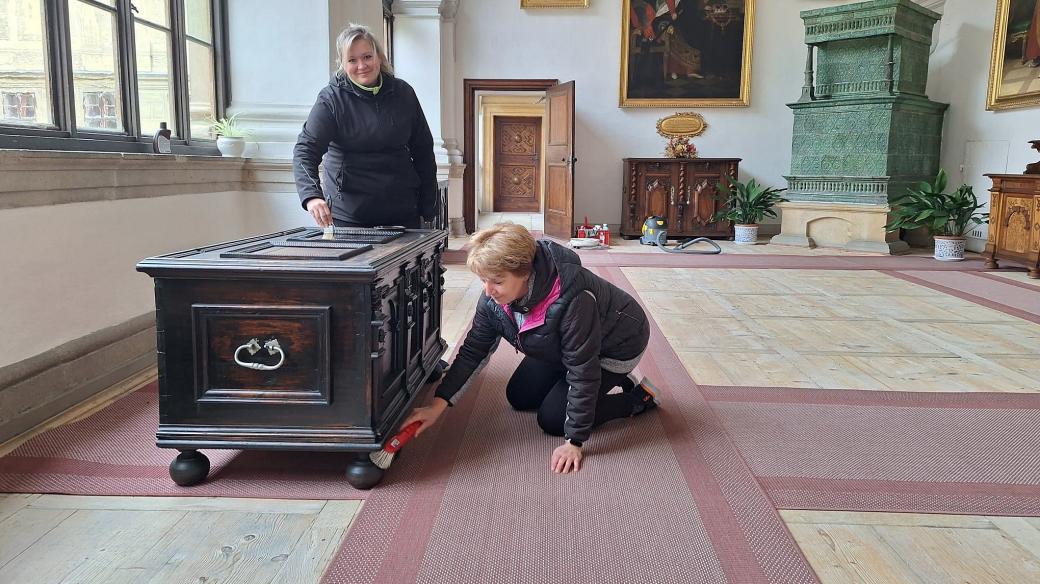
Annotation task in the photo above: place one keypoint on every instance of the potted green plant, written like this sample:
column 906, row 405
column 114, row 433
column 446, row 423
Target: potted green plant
column 946, row 216
column 745, row 205
column 231, row 137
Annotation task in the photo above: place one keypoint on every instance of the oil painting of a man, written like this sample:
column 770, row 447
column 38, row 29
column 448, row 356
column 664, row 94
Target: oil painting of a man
column 686, row 52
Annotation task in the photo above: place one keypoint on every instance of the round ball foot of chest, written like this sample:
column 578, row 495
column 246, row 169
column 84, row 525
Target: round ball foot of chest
column 362, row 474
column 189, row 468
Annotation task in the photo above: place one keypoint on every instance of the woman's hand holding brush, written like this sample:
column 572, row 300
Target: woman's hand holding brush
column 319, row 210
column 426, row 414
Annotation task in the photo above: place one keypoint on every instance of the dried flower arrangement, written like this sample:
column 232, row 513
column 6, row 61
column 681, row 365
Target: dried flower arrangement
column 680, row 147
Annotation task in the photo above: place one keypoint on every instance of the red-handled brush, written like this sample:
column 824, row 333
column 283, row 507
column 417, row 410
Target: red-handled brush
column 384, row 457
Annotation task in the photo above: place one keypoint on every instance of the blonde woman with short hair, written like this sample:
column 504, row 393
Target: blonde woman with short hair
column 581, row 336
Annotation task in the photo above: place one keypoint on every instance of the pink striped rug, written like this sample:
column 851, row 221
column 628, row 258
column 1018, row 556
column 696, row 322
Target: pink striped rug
column 664, row 497
column 1010, row 297
column 967, row 453
column 113, row 452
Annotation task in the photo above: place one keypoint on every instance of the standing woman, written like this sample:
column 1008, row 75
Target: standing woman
column 378, row 149
column 581, row 336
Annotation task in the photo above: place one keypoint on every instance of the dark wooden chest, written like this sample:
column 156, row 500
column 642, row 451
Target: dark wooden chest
column 289, row 341
column 681, row 190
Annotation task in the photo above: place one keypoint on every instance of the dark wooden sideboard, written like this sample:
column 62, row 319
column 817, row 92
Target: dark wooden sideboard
column 287, row 341
column 1014, row 221
column 681, row 190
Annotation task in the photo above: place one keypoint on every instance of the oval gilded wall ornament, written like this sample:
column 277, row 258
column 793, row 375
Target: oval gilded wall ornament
column 683, row 124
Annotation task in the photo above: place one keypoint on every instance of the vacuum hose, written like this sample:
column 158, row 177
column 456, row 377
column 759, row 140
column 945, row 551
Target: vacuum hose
column 681, row 247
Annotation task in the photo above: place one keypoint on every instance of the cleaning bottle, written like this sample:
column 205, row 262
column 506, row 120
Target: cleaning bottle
column 604, row 234
column 161, row 141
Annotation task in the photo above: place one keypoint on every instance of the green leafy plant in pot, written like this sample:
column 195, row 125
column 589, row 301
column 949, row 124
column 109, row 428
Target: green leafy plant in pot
column 745, row 205
column 231, row 137
column 946, row 216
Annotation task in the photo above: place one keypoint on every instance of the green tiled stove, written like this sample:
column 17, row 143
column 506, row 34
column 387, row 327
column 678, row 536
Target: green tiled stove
column 863, row 128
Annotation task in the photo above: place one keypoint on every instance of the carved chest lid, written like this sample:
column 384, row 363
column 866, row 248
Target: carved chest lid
column 357, row 250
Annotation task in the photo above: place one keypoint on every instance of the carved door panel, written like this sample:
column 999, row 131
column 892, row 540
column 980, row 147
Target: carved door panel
column 518, row 144
column 1017, row 216
column 655, row 187
column 699, row 198
column 387, row 350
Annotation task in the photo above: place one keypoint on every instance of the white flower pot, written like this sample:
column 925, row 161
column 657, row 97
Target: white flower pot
column 231, row 146
column 949, row 249
column 745, row 234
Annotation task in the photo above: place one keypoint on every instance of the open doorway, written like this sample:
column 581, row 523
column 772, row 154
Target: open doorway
column 516, row 172
column 510, row 161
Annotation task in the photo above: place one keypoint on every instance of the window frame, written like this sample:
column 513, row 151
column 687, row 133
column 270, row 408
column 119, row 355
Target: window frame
column 64, row 135
column 388, row 29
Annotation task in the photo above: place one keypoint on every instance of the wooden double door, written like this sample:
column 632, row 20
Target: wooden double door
column 683, row 191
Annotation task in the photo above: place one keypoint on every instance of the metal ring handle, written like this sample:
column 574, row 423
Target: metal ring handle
column 253, row 347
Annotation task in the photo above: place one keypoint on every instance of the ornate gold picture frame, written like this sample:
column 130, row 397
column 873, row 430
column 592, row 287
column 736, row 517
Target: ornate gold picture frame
column 554, row 3
column 686, row 53
column 1014, row 73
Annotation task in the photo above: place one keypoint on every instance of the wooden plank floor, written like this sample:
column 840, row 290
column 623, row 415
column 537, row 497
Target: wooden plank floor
column 58, row 538
column 845, row 547
column 796, row 328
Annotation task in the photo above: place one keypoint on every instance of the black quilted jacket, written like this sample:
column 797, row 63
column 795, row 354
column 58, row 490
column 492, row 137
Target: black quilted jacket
column 591, row 319
column 378, row 150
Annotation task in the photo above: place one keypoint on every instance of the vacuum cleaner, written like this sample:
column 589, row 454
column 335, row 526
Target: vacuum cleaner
column 655, row 232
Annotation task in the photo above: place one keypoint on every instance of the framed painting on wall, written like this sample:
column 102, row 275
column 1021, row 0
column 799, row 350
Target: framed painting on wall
column 1014, row 73
column 686, row 53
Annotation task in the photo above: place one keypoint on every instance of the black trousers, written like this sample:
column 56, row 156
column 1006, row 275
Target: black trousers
column 541, row 386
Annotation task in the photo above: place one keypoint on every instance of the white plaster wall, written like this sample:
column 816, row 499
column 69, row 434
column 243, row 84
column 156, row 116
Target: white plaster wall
column 283, row 54
column 279, row 51
column 68, row 270
column 976, row 141
column 417, row 61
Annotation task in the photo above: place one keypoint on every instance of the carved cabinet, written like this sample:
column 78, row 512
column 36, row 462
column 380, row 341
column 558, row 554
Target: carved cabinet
column 1014, row 221
column 288, row 341
column 683, row 191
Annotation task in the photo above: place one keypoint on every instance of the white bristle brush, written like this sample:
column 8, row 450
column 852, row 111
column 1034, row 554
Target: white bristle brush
column 384, row 457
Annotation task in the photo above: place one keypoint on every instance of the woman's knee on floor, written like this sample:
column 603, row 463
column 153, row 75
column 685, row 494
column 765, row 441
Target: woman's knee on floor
column 520, row 397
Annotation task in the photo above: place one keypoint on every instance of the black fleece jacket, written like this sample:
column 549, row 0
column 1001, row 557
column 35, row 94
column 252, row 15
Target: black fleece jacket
column 590, row 320
column 378, row 150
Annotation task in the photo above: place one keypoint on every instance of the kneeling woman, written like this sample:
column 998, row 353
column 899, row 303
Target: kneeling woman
column 580, row 335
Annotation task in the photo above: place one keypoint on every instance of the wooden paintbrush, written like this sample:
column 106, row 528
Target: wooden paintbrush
column 384, row 457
